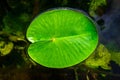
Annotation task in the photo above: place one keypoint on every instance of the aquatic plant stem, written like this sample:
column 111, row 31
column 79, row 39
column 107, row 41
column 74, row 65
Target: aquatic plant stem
column 76, row 74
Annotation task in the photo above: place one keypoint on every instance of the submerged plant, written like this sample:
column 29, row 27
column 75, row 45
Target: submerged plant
column 61, row 38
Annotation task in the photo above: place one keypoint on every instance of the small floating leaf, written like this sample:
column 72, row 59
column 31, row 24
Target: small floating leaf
column 5, row 48
column 100, row 58
column 61, row 38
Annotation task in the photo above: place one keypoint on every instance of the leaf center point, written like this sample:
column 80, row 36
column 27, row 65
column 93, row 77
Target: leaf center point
column 53, row 39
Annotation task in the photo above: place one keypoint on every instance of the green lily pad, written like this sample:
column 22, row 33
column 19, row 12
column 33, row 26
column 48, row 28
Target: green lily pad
column 61, row 38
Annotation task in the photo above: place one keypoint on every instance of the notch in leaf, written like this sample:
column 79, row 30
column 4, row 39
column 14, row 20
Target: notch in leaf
column 61, row 38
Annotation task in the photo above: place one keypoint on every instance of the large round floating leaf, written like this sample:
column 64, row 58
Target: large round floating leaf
column 61, row 38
